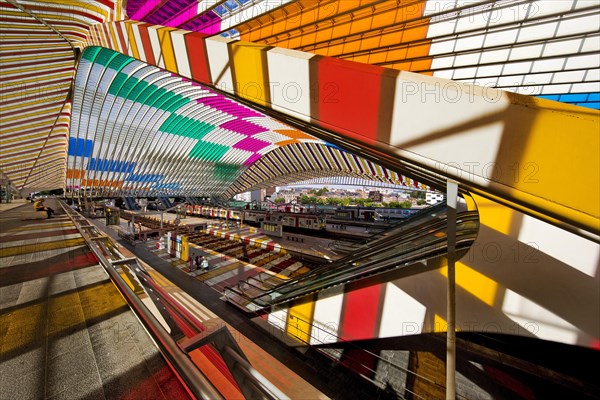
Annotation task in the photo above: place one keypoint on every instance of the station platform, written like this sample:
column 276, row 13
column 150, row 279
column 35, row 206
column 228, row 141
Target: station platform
column 296, row 243
column 66, row 332
column 236, row 252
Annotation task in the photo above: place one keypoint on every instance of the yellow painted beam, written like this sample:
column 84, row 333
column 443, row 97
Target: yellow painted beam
column 131, row 40
column 477, row 284
column 299, row 321
column 250, row 69
column 561, row 152
column 439, row 324
column 166, row 45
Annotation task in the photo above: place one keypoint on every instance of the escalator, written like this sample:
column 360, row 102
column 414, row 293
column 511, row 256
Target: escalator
column 166, row 202
column 131, row 204
column 438, row 211
column 399, row 252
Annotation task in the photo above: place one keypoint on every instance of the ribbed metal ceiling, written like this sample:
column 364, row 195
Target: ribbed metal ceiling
column 137, row 130
column 540, row 48
column 39, row 43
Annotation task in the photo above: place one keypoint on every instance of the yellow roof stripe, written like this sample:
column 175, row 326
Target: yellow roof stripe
column 5, row 72
column 134, row 50
column 168, row 53
column 45, row 124
column 113, row 34
column 22, row 82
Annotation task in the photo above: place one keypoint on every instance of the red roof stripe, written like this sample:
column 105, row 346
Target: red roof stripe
column 197, row 56
column 121, row 37
column 348, row 97
column 143, row 28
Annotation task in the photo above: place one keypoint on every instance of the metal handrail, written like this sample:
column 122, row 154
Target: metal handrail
column 374, row 267
column 261, row 385
column 355, row 267
column 382, row 245
column 102, row 246
column 195, row 381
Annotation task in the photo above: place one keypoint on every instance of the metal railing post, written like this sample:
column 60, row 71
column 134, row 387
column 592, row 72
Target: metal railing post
column 451, row 197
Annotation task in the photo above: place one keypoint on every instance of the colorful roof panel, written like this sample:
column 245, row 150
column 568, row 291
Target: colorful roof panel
column 210, row 17
column 37, row 65
column 303, row 161
column 36, row 71
column 140, row 130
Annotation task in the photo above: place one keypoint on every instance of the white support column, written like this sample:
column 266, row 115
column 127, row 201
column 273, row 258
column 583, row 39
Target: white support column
column 451, row 196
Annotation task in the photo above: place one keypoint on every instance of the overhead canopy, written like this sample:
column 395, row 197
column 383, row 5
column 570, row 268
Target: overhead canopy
column 431, row 125
column 541, row 48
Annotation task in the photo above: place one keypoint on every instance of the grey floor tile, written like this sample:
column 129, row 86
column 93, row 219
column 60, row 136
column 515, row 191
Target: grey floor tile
column 60, row 283
column 90, row 275
column 9, row 295
column 23, row 376
column 71, row 370
column 33, row 290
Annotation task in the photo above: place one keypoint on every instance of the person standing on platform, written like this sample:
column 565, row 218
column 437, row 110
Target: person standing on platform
column 198, row 261
column 204, row 264
column 191, row 261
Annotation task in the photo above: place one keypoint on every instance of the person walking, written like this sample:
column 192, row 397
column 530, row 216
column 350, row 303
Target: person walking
column 191, row 261
column 204, row 264
column 38, row 205
column 198, row 261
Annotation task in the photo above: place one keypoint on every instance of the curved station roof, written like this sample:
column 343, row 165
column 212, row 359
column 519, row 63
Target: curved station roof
column 162, row 97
